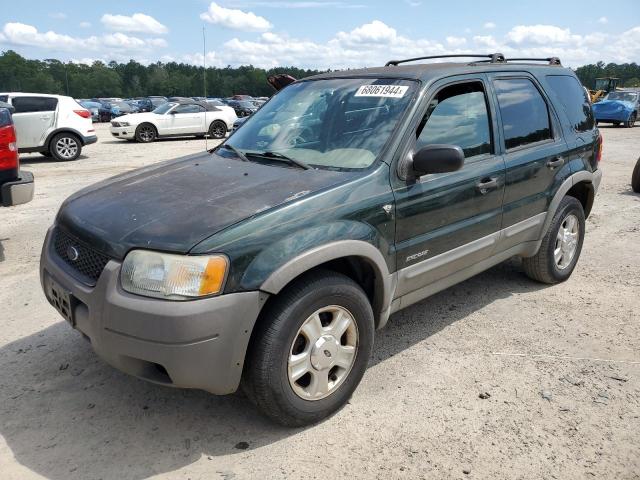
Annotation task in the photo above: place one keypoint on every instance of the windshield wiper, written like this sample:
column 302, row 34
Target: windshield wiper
column 238, row 153
column 282, row 157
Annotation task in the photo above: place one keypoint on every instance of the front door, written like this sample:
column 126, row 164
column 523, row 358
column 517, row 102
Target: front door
column 446, row 222
column 186, row 119
column 34, row 117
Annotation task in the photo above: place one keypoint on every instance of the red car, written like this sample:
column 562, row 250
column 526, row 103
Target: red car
column 16, row 186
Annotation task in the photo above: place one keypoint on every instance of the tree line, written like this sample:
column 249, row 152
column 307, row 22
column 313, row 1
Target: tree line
column 133, row 79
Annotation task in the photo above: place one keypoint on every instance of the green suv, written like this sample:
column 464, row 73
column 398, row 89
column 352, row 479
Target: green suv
column 270, row 261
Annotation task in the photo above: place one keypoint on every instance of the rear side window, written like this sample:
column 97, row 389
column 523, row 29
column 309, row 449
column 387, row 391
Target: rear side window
column 525, row 116
column 573, row 98
column 458, row 116
column 34, row 104
column 4, row 98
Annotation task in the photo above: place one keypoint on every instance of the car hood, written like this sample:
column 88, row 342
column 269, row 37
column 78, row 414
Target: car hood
column 175, row 205
column 612, row 105
column 136, row 118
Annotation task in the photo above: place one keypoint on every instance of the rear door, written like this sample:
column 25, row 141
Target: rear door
column 535, row 154
column 446, row 222
column 33, row 119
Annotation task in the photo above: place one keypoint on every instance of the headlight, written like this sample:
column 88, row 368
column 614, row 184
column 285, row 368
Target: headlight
column 124, row 124
column 173, row 277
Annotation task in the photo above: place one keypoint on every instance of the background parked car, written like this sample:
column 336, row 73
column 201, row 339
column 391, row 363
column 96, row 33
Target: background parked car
column 16, row 186
column 54, row 125
column 119, row 108
column 619, row 107
column 243, row 108
column 93, row 107
column 635, row 177
column 185, row 118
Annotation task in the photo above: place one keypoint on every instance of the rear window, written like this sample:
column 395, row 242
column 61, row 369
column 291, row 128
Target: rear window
column 525, row 116
column 34, row 104
column 573, row 98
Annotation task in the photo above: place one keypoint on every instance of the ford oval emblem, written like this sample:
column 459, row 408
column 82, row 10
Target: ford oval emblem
column 72, row 253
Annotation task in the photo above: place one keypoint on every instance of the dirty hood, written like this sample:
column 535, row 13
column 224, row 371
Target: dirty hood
column 175, row 205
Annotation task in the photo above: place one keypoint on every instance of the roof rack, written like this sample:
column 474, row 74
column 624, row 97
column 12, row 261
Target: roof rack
column 550, row 60
column 492, row 58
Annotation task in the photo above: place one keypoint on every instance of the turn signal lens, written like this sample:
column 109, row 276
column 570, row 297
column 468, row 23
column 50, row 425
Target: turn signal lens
column 172, row 277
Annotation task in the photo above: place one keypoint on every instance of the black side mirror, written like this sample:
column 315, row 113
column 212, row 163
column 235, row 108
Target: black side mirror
column 437, row 159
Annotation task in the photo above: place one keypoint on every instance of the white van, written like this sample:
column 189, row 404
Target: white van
column 54, row 125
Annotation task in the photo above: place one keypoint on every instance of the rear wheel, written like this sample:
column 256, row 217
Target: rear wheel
column 632, row 120
column 311, row 349
column 146, row 133
column 561, row 245
column 65, row 147
column 635, row 177
column 218, row 129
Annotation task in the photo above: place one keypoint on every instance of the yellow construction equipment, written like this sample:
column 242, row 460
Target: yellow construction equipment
column 603, row 86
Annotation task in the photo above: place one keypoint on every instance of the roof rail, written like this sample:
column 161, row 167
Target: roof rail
column 493, row 58
column 550, row 60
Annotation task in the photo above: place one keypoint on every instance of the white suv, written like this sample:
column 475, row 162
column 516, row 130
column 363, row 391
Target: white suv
column 53, row 125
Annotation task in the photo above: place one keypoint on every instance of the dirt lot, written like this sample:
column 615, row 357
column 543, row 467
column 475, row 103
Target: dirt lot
column 561, row 365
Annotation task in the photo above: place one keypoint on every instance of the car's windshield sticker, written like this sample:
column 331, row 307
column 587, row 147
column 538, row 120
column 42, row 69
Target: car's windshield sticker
column 389, row 91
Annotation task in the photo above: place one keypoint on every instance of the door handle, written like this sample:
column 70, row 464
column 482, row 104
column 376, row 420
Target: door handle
column 556, row 162
column 487, row 184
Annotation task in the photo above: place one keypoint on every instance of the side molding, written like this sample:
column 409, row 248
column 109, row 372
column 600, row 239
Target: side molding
column 333, row 251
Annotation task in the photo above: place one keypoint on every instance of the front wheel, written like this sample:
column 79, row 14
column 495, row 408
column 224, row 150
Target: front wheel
column 146, row 133
column 310, row 350
column 561, row 245
column 65, row 147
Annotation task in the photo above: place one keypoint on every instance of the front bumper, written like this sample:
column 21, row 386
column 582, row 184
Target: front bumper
column 123, row 132
column 191, row 344
column 19, row 191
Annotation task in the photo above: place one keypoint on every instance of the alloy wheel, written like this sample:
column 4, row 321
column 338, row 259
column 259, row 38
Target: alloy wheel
column 323, row 352
column 67, row 147
column 567, row 241
column 146, row 133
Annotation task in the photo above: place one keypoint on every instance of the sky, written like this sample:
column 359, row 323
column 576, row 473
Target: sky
column 319, row 34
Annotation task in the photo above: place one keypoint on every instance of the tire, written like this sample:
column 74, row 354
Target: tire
column 632, row 120
column 146, row 133
column 65, row 147
column 635, row 177
column 548, row 267
column 289, row 400
column 217, row 129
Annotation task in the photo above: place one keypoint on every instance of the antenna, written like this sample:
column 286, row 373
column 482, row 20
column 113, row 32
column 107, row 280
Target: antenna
column 204, row 82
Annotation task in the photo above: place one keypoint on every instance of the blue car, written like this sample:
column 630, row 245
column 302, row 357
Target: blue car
column 620, row 107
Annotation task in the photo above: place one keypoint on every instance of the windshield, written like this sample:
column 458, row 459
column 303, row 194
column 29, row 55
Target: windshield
column 164, row 108
column 622, row 96
column 337, row 123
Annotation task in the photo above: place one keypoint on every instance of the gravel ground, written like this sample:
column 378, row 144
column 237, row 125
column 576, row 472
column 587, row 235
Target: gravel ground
column 561, row 366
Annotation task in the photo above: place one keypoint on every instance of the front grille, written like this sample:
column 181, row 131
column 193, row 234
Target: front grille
column 88, row 263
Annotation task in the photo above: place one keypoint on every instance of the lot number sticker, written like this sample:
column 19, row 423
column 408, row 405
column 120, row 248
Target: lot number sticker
column 389, row 91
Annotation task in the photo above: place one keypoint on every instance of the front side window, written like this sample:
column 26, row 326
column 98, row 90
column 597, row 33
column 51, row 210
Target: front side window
column 164, row 108
column 34, row 104
column 458, row 116
column 335, row 123
column 191, row 108
column 573, row 98
column 525, row 116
